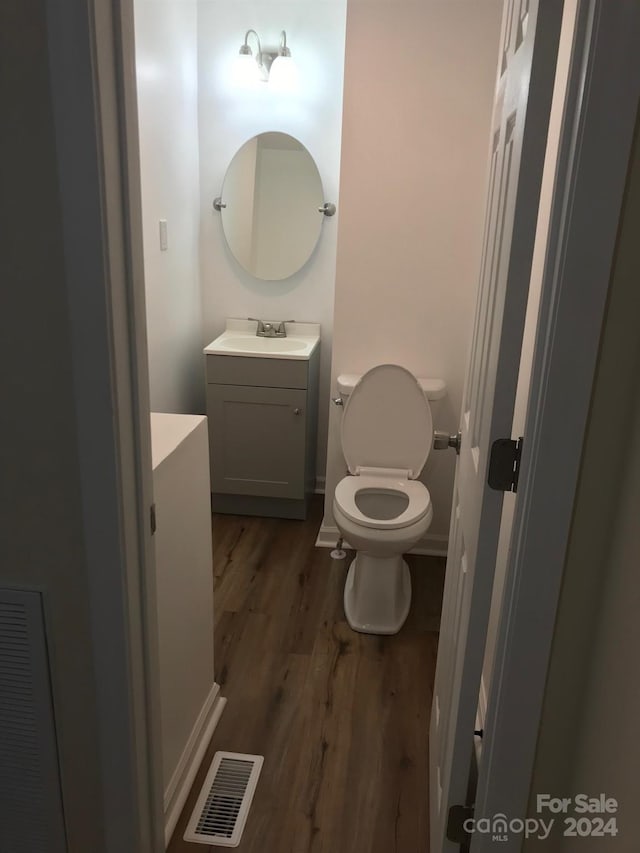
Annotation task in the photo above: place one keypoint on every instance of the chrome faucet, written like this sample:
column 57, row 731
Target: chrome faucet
column 271, row 330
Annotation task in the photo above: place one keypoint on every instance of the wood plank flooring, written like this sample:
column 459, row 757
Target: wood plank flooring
column 341, row 718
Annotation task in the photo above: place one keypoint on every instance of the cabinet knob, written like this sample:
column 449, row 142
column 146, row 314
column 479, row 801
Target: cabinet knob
column 296, row 411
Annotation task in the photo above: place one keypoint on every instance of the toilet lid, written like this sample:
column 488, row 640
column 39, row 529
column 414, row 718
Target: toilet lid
column 387, row 422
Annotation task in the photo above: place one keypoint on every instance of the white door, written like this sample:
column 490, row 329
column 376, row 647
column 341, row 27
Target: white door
column 526, row 70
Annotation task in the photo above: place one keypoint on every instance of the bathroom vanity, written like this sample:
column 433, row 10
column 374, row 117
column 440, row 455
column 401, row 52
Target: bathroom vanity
column 262, row 408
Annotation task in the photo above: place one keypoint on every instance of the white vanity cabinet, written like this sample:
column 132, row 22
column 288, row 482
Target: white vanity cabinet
column 263, row 414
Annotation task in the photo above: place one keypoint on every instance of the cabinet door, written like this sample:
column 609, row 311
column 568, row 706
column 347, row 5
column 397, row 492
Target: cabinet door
column 257, row 440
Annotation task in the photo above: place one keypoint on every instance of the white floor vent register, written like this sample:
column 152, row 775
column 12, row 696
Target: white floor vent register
column 221, row 812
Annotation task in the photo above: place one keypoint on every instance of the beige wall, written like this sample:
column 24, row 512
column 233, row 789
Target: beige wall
column 588, row 736
column 419, row 79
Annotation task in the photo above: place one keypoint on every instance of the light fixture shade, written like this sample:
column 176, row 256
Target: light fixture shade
column 246, row 72
column 283, row 74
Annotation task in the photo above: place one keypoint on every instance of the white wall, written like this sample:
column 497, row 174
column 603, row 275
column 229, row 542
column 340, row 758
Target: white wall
column 588, row 731
column 419, row 80
column 606, row 750
column 229, row 116
column 166, row 62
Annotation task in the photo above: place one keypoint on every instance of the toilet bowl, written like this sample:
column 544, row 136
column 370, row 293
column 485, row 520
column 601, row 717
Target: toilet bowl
column 380, row 507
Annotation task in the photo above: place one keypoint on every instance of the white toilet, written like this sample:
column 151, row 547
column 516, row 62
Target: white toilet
column 380, row 508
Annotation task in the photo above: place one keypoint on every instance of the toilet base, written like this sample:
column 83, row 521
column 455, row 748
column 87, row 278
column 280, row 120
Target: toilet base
column 377, row 594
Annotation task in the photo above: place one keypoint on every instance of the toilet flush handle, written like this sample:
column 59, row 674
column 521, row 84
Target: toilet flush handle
column 338, row 401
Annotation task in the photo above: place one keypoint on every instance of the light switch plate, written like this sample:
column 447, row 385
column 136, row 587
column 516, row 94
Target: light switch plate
column 164, row 240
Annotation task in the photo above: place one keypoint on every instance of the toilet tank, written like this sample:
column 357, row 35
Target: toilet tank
column 434, row 389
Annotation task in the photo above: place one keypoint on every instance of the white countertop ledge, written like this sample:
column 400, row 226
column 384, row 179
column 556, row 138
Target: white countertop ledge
column 239, row 338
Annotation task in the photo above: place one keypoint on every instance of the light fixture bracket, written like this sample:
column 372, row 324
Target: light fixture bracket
column 265, row 56
column 268, row 57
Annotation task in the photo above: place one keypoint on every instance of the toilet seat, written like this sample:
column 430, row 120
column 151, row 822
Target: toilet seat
column 387, row 422
column 382, row 510
column 419, row 500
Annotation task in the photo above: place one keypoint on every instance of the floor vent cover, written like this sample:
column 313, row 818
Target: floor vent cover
column 223, row 805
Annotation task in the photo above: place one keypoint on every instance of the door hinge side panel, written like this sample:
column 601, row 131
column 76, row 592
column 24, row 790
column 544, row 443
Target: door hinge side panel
column 504, row 464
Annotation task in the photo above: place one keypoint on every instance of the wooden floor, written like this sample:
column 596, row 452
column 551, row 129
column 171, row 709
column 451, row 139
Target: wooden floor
column 341, row 718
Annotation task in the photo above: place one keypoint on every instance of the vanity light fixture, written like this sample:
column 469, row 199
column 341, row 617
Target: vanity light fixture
column 284, row 73
column 250, row 69
column 268, row 65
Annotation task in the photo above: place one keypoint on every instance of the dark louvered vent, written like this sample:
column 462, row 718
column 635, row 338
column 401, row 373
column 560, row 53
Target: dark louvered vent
column 31, row 818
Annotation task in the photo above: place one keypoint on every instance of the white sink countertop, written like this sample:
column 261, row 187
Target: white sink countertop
column 239, row 338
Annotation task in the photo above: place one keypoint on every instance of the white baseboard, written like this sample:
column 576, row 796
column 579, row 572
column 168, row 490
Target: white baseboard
column 180, row 783
column 328, row 537
column 432, row 545
column 320, row 484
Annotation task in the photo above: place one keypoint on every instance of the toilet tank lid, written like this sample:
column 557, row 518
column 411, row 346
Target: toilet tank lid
column 434, row 389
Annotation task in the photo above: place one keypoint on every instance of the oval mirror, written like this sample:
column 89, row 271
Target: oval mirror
column 270, row 199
